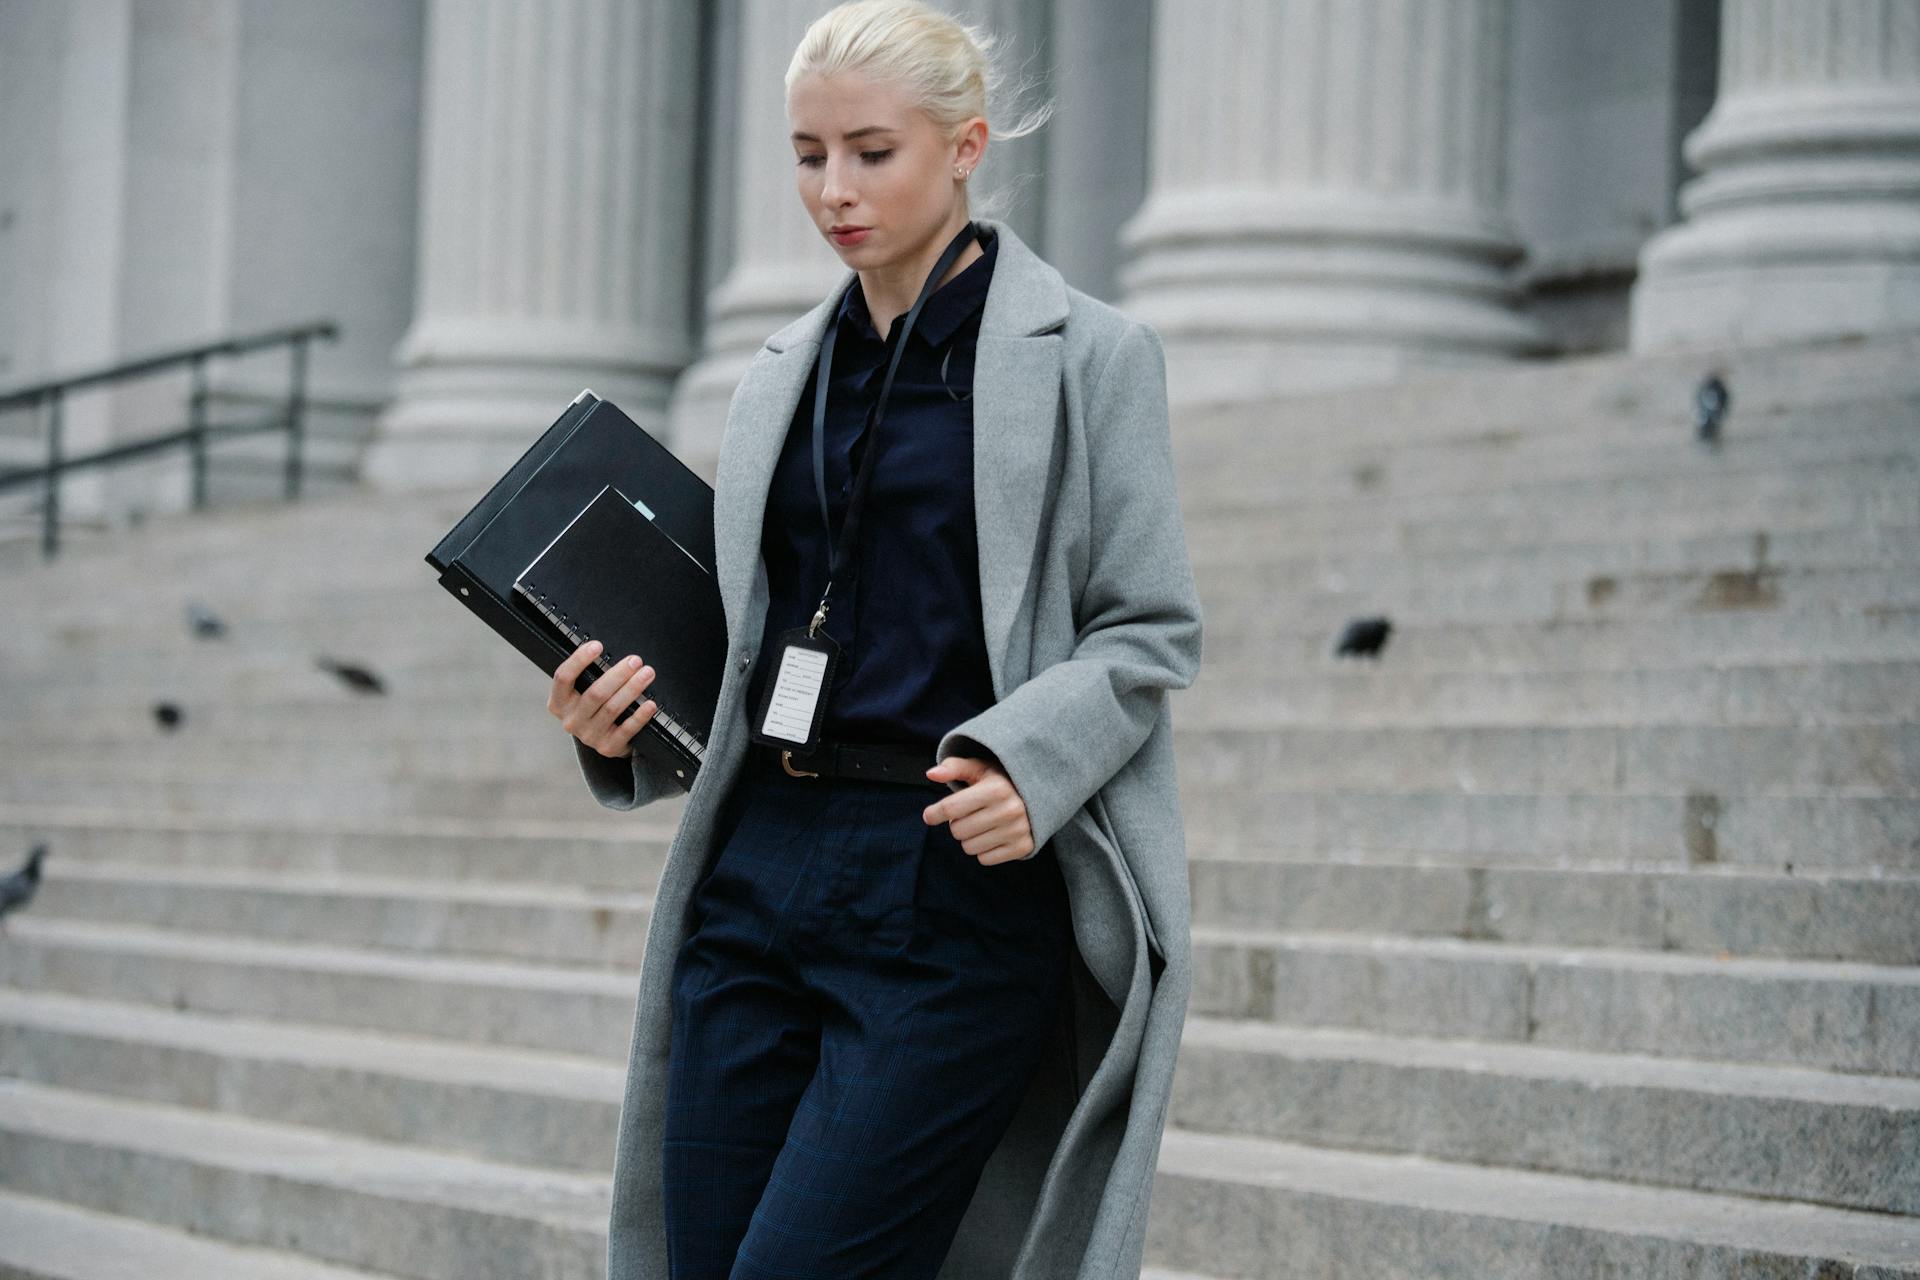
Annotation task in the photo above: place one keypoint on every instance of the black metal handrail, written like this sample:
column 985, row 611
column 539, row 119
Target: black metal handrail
column 193, row 437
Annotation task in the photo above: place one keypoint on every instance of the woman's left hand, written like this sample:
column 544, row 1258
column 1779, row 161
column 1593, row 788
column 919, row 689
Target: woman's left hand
column 987, row 816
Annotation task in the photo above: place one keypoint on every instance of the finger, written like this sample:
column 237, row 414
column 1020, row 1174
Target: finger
column 958, row 768
column 636, row 722
column 991, row 811
column 569, row 670
column 1002, row 853
column 624, row 695
column 602, row 690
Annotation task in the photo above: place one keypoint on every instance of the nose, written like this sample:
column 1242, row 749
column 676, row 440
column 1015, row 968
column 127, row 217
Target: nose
column 833, row 186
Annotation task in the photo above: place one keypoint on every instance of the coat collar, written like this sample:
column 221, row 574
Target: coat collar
column 1016, row 379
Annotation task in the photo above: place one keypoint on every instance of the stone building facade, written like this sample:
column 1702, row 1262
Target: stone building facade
column 502, row 201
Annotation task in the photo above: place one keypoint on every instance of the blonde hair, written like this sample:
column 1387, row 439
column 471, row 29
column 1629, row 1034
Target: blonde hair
column 944, row 66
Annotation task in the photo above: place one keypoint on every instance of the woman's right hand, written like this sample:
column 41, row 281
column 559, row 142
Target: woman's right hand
column 589, row 716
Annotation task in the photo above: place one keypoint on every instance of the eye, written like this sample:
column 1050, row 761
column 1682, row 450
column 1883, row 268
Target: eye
column 871, row 157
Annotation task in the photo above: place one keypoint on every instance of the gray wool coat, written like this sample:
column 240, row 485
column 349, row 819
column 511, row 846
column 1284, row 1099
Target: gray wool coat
column 1091, row 619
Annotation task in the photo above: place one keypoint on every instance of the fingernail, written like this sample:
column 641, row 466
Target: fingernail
column 593, row 646
column 633, row 661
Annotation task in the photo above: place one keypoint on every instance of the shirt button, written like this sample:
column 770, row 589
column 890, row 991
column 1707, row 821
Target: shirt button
column 743, row 662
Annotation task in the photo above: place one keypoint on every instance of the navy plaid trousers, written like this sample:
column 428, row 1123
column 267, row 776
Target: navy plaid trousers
column 858, row 1007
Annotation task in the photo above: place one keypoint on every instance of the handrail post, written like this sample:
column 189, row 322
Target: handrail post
column 296, row 410
column 50, row 509
column 197, row 425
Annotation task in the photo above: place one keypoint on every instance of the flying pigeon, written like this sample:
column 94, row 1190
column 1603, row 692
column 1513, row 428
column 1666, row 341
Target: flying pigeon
column 18, row 889
column 1364, row 636
column 1710, row 401
column 358, row 679
column 205, row 624
column 168, row 714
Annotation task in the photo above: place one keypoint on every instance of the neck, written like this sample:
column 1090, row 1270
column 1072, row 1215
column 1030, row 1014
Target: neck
column 890, row 290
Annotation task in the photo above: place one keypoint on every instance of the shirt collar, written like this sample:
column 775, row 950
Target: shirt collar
column 946, row 308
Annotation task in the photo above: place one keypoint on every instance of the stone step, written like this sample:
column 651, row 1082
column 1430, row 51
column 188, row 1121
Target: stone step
column 1851, row 760
column 1702, row 911
column 43, row 1239
column 1802, row 1013
column 525, row 1106
column 1332, row 568
column 502, row 920
column 1239, row 606
column 1758, row 695
column 413, row 1211
column 556, row 1008
column 625, row 857
column 1652, row 476
column 1579, row 395
column 1822, row 1137
column 1686, row 642
column 1865, row 760
column 1271, row 468
column 1264, row 1209
column 1458, row 828
column 1882, row 496
column 1715, row 483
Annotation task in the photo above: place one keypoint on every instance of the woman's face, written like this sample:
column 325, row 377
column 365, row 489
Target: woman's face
column 867, row 157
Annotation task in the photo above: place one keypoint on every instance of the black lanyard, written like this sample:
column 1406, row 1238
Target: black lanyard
column 850, row 526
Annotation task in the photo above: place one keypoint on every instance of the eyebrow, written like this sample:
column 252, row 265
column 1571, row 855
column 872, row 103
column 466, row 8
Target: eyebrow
column 852, row 133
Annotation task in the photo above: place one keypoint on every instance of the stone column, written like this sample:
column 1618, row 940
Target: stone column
column 556, row 209
column 1805, row 219
column 780, row 265
column 1325, row 196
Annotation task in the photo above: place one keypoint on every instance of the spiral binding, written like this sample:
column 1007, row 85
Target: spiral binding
column 668, row 724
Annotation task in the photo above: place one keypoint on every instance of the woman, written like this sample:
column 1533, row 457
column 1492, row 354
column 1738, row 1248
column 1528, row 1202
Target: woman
column 899, row 1020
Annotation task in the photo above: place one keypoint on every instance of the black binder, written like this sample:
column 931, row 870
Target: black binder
column 624, row 531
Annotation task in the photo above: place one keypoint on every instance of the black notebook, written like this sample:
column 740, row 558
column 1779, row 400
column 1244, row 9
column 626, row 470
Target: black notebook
column 590, row 452
column 611, row 575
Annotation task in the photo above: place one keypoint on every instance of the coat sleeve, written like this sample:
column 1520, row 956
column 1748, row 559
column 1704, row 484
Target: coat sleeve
column 1063, row 733
column 625, row 783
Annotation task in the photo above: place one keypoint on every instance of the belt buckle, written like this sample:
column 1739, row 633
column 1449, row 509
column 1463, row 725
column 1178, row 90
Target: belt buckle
column 786, row 762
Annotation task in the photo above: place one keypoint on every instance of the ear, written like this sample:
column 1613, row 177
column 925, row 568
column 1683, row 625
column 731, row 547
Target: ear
column 971, row 146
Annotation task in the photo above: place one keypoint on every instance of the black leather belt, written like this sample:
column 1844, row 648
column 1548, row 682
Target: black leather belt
column 875, row 761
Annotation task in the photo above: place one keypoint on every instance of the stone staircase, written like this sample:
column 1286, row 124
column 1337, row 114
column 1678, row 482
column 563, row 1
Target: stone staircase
column 1577, row 935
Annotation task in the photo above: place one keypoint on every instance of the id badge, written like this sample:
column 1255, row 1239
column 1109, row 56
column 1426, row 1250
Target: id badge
column 793, row 704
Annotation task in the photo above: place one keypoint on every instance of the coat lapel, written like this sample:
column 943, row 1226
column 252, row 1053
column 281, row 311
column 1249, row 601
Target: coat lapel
column 1016, row 382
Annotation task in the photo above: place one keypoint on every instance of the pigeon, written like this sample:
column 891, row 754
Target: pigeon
column 18, row 889
column 168, row 714
column 1364, row 636
column 358, row 679
column 1710, row 401
column 205, row 624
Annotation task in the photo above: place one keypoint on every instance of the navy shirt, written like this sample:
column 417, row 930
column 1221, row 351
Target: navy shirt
column 906, row 610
